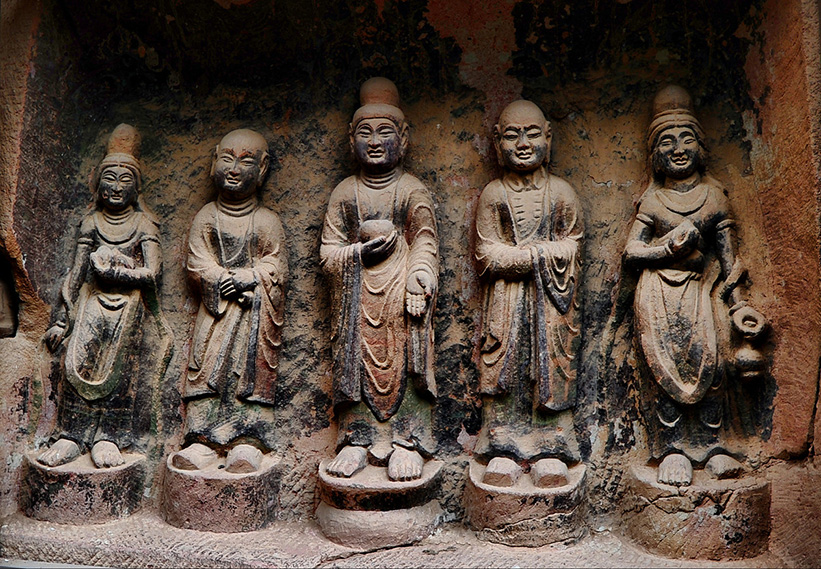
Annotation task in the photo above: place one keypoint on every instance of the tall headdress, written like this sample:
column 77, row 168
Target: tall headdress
column 672, row 107
column 123, row 150
column 379, row 98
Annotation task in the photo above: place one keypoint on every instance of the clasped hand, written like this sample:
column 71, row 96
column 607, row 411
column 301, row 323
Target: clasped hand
column 105, row 262
column 683, row 239
column 234, row 283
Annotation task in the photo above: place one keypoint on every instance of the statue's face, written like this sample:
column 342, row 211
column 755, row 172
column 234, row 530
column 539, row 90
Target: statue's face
column 237, row 171
column 378, row 144
column 677, row 153
column 118, row 188
column 523, row 145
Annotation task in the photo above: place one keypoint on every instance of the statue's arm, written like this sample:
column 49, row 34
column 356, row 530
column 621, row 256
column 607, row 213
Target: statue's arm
column 71, row 286
column 337, row 246
column 273, row 265
column 423, row 240
column 203, row 266
column 639, row 252
column 731, row 268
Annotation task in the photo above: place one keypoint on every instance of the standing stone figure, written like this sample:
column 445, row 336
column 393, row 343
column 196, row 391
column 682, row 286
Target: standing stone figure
column 109, row 299
column 683, row 242
column 528, row 238
column 238, row 267
column 379, row 248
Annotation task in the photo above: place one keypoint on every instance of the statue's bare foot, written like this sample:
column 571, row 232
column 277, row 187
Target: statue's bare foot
column 348, row 462
column 405, row 464
column 675, row 470
column 549, row 473
column 105, row 454
column 194, row 457
column 61, row 452
column 722, row 466
column 243, row 459
column 502, row 471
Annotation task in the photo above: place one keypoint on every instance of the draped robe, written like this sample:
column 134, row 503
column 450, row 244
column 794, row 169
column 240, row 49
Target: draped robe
column 378, row 347
column 234, row 360
column 106, row 362
column 527, row 250
column 679, row 328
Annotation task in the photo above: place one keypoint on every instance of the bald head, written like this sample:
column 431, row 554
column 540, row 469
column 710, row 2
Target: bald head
column 240, row 164
column 244, row 140
column 522, row 137
column 521, row 112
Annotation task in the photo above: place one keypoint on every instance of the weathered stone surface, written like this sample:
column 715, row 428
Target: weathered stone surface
column 710, row 519
column 526, row 515
column 80, row 492
column 376, row 529
column 219, row 501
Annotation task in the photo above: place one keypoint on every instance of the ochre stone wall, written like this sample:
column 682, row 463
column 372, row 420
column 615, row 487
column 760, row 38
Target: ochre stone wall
column 291, row 70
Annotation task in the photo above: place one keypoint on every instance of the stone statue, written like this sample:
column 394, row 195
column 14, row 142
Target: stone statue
column 528, row 237
column 379, row 248
column 108, row 299
column 683, row 243
column 237, row 265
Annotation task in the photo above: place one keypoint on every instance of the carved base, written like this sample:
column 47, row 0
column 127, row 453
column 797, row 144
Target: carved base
column 710, row 519
column 79, row 492
column 218, row 501
column 368, row 510
column 523, row 514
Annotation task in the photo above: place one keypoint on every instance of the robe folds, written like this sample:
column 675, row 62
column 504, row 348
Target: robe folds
column 107, row 363
column 234, row 360
column 528, row 253
column 377, row 346
column 681, row 328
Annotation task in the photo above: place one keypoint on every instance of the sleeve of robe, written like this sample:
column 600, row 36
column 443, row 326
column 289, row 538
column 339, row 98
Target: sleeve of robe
column 423, row 242
column 340, row 257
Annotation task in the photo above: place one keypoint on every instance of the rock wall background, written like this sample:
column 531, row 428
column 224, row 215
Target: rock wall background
column 187, row 73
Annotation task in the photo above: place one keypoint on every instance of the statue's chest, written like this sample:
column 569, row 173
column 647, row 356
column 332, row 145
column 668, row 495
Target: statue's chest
column 527, row 211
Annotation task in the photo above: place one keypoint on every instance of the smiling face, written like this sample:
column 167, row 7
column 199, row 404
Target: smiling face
column 522, row 137
column 677, row 154
column 118, row 188
column 240, row 164
column 378, row 144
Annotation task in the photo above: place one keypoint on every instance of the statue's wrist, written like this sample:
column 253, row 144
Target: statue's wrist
column 737, row 306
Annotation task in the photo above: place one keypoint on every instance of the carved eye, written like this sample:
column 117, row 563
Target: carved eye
column 689, row 139
column 109, row 177
column 534, row 133
column 248, row 162
column 510, row 135
column 126, row 178
column 227, row 159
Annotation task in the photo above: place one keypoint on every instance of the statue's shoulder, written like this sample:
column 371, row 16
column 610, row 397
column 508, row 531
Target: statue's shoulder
column 88, row 224
column 266, row 215
column 561, row 187
column 494, row 190
column 206, row 212
column 148, row 224
column 344, row 189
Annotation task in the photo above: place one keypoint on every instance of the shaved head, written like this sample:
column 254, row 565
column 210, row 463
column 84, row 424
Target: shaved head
column 242, row 141
column 521, row 112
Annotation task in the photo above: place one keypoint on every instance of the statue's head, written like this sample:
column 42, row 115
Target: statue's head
column 378, row 132
column 675, row 138
column 240, row 164
column 522, row 137
column 119, row 177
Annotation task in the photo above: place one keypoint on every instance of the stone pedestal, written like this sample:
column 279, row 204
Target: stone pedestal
column 218, row 501
column 369, row 510
column 79, row 492
column 523, row 514
column 710, row 519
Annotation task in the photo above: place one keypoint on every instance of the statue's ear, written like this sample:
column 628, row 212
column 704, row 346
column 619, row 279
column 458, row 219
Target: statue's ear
column 264, row 164
column 214, row 160
column 404, row 139
column 497, row 141
column 548, row 135
column 350, row 137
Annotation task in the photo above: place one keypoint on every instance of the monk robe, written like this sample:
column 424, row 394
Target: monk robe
column 527, row 249
column 377, row 346
column 234, row 360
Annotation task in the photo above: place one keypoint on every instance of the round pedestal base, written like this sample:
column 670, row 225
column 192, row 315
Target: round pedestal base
column 369, row 510
column 710, row 519
column 79, row 492
column 524, row 514
column 218, row 501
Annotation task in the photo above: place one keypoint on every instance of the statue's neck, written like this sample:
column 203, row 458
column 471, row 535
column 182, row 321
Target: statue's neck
column 120, row 216
column 380, row 181
column 239, row 207
column 683, row 185
column 523, row 180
